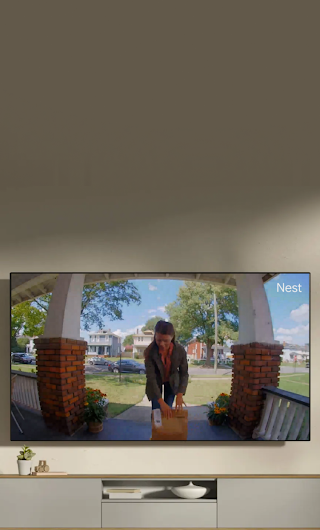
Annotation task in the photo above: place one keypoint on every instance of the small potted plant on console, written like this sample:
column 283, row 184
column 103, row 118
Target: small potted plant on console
column 25, row 460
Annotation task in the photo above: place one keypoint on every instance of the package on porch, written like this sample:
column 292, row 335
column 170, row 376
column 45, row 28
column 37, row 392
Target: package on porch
column 174, row 428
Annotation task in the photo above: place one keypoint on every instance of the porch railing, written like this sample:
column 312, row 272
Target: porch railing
column 25, row 390
column 285, row 416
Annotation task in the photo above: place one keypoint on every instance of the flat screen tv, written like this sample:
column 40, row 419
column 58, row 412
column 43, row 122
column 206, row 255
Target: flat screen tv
column 144, row 356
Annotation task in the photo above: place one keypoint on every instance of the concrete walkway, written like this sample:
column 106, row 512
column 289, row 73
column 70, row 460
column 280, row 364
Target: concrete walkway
column 141, row 412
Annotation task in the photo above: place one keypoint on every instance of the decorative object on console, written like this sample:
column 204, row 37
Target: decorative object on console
column 25, row 460
column 48, row 474
column 190, row 492
column 124, row 493
column 42, row 467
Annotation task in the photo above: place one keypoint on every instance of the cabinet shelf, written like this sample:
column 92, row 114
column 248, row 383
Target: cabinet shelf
column 159, row 491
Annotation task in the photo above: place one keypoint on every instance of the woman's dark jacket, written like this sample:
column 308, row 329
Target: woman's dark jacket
column 178, row 378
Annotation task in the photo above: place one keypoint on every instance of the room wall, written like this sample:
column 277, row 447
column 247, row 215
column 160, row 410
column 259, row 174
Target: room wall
column 268, row 244
column 195, row 153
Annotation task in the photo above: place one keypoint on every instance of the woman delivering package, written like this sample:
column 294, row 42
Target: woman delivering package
column 166, row 369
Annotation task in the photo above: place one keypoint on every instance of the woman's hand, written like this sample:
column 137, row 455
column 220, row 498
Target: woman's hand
column 179, row 401
column 165, row 409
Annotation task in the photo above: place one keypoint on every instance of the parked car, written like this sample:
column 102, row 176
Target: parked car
column 128, row 365
column 100, row 360
column 23, row 358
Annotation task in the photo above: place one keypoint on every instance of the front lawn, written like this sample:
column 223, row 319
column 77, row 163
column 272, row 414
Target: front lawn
column 296, row 383
column 204, row 365
column 301, row 364
column 121, row 394
column 24, row 367
column 200, row 392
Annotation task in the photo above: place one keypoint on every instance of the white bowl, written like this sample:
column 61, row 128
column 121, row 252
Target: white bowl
column 190, row 492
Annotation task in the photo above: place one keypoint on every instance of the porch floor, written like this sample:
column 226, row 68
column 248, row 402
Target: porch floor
column 34, row 429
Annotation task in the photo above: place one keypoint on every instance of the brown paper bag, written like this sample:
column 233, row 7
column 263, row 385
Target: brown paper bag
column 175, row 428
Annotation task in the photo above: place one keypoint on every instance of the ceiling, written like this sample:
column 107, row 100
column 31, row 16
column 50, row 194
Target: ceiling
column 28, row 286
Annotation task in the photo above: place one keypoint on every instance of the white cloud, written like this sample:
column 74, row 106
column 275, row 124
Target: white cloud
column 159, row 298
column 162, row 308
column 301, row 314
column 298, row 330
column 152, row 310
column 130, row 331
column 282, row 338
column 152, row 287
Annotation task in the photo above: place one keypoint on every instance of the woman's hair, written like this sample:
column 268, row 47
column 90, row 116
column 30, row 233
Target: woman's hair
column 163, row 327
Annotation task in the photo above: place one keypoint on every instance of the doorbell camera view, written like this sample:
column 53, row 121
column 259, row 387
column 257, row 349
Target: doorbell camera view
column 160, row 357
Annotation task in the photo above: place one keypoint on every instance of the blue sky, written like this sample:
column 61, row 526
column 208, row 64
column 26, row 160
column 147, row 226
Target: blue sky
column 289, row 310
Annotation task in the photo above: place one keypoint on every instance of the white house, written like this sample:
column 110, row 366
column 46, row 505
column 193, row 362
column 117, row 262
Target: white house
column 141, row 340
column 30, row 347
column 104, row 342
column 289, row 355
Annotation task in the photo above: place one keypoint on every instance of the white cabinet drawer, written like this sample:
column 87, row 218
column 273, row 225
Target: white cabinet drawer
column 268, row 503
column 50, row 503
column 159, row 514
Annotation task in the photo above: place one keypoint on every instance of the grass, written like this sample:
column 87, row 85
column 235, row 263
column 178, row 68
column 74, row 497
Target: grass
column 24, row 367
column 299, row 365
column 209, row 376
column 296, row 383
column 203, row 363
column 114, row 359
column 121, row 394
column 200, row 392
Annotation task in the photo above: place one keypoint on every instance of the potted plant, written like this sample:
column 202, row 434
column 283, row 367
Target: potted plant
column 95, row 409
column 25, row 460
column 218, row 410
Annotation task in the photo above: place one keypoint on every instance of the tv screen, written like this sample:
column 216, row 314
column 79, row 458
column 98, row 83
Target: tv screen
column 160, row 356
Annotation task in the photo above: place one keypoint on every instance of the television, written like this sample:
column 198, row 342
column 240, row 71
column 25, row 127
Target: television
column 167, row 356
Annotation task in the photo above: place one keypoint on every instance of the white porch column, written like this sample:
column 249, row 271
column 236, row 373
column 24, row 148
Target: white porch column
column 64, row 311
column 255, row 324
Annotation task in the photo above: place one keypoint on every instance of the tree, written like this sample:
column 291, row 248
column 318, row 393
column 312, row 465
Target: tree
column 28, row 318
column 151, row 323
column 128, row 341
column 98, row 301
column 192, row 314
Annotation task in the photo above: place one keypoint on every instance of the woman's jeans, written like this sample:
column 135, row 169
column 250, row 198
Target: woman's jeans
column 168, row 397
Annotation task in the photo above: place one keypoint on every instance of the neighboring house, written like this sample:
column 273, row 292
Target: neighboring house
column 141, row 340
column 290, row 354
column 30, row 347
column 104, row 342
column 198, row 350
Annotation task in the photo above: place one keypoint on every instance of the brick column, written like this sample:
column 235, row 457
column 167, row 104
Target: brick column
column 61, row 382
column 255, row 365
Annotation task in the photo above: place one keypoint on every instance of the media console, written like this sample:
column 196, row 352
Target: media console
column 232, row 502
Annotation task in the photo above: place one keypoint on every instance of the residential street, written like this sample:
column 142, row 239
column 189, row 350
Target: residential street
column 199, row 371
